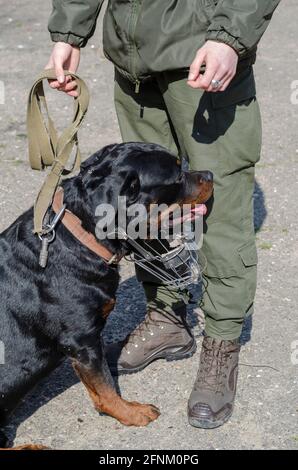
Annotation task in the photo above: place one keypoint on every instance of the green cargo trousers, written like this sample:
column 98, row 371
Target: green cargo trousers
column 220, row 132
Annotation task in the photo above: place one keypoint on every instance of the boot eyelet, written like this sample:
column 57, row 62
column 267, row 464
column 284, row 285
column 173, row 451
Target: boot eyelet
column 136, row 345
column 143, row 339
column 151, row 333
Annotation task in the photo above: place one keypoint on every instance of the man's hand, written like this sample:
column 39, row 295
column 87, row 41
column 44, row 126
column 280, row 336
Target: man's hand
column 221, row 63
column 64, row 56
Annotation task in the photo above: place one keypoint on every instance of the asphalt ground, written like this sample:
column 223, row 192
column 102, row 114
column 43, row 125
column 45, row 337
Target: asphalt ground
column 58, row 413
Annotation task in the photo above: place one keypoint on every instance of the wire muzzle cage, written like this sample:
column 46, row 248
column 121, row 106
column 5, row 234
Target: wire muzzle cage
column 175, row 263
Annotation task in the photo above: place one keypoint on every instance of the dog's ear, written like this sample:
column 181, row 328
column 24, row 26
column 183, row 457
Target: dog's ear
column 99, row 164
column 97, row 157
column 131, row 187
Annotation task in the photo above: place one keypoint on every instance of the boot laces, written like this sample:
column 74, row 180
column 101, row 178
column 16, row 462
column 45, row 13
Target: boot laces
column 141, row 330
column 213, row 370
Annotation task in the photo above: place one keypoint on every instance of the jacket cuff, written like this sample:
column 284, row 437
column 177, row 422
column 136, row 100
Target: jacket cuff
column 223, row 36
column 69, row 38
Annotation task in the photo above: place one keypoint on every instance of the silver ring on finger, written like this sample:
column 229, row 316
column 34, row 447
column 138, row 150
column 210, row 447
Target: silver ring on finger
column 215, row 83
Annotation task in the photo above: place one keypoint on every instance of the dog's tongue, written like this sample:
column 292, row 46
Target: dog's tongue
column 199, row 209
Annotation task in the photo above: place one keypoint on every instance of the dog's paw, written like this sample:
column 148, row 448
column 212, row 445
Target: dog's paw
column 139, row 414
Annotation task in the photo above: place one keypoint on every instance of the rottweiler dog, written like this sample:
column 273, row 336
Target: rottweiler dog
column 49, row 314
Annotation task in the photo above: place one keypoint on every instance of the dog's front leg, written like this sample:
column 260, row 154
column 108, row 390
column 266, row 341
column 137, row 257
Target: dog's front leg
column 99, row 384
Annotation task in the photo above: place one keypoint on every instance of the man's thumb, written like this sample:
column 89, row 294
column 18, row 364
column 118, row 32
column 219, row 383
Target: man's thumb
column 194, row 70
column 59, row 73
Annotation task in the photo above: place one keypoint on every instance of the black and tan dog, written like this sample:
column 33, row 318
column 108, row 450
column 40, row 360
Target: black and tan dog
column 57, row 312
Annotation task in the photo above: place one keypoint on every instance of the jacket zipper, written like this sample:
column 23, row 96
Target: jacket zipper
column 135, row 10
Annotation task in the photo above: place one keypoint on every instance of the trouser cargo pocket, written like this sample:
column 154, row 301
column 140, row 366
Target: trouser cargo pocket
column 248, row 254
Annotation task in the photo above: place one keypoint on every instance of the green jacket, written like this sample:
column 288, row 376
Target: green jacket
column 142, row 37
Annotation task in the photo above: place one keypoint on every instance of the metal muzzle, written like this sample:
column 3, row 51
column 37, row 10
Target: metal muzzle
column 172, row 263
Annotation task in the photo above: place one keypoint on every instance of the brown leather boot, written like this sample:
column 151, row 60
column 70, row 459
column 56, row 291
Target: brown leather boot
column 161, row 335
column 212, row 399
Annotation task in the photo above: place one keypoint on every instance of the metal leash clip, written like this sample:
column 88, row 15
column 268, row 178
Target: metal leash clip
column 48, row 237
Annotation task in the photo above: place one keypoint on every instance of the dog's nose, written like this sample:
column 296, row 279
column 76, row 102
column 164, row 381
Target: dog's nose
column 206, row 176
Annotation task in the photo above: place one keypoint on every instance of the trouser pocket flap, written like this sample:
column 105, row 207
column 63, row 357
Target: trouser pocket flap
column 248, row 254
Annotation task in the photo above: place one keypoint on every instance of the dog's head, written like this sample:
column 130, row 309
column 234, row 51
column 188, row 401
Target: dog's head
column 140, row 173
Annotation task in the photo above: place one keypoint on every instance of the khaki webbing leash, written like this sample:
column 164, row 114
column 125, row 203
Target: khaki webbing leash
column 46, row 148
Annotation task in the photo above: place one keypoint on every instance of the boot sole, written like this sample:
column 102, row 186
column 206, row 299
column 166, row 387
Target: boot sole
column 206, row 423
column 165, row 354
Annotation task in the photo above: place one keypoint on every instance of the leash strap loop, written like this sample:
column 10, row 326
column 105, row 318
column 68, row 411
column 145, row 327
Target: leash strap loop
column 44, row 145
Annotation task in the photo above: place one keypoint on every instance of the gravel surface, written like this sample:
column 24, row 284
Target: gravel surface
column 58, row 413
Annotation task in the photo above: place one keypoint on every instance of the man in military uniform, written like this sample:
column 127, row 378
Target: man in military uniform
column 184, row 79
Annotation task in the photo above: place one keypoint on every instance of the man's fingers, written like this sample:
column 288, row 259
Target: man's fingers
column 226, row 83
column 221, row 63
column 73, row 93
column 59, row 72
column 55, row 84
column 64, row 56
column 219, row 77
column 215, row 89
column 214, row 73
column 194, row 69
column 204, row 80
column 70, row 86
